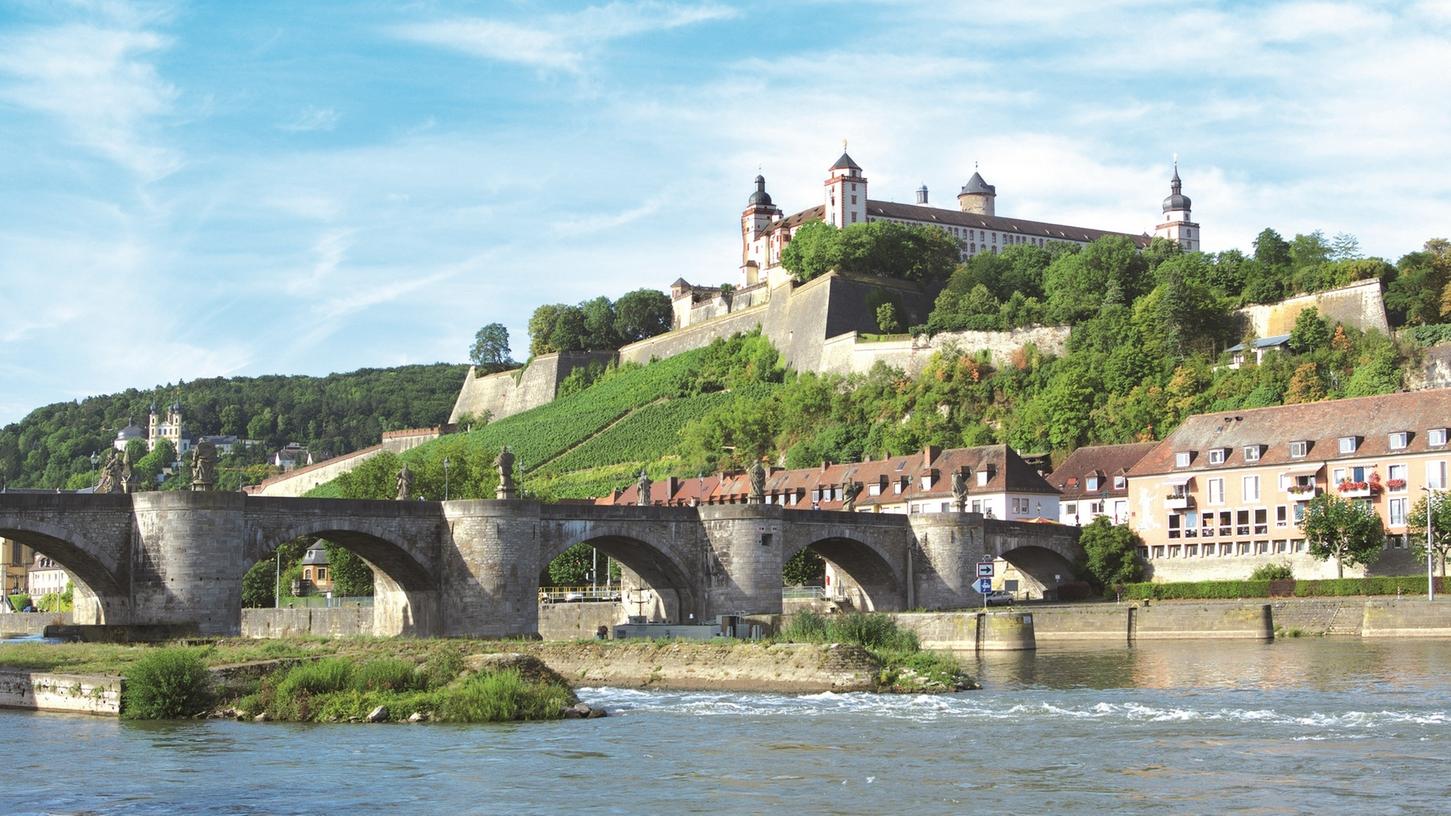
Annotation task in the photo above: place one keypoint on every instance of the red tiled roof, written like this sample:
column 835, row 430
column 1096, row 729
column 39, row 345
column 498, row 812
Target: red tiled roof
column 1071, row 477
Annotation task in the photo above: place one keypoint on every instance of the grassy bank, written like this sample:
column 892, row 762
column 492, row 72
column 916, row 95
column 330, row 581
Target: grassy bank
column 906, row 667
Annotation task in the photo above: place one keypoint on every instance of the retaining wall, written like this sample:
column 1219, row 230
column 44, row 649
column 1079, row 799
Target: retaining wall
column 31, row 623
column 849, row 354
column 338, row 621
column 1081, row 622
column 73, row 693
column 1183, row 621
column 1359, row 305
column 958, row 631
column 577, row 621
column 511, row 392
column 1406, row 617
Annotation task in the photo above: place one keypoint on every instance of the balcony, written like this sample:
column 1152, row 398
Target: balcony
column 1301, row 493
column 1354, row 490
column 1178, row 501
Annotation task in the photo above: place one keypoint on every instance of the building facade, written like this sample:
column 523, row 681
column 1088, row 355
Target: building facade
column 45, row 577
column 1226, row 492
column 1093, row 482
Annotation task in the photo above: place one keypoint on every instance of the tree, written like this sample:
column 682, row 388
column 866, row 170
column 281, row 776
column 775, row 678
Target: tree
column 541, row 326
column 1344, row 247
column 804, row 569
column 1440, row 529
column 1310, row 332
column 887, row 320
column 1272, row 251
column 491, row 347
column 813, row 250
column 1305, row 385
column 1111, row 553
column 352, row 577
column 571, row 567
column 1346, row 531
column 644, row 313
column 599, row 324
column 569, row 332
column 232, row 421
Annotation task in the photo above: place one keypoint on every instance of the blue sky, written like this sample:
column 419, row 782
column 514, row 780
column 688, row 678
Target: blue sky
column 200, row 189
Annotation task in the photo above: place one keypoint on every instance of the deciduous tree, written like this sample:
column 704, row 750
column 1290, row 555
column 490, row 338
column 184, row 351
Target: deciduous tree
column 491, row 347
column 1342, row 530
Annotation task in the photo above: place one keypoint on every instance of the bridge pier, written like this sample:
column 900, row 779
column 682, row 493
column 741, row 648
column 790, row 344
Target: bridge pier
column 489, row 577
column 745, row 545
column 948, row 547
column 186, row 560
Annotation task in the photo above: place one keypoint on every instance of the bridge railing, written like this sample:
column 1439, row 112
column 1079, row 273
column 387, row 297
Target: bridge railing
column 578, row 594
column 803, row 593
column 324, row 602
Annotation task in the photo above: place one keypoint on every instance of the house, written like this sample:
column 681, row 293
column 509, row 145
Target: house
column 1227, row 491
column 45, row 577
column 316, row 573
column 1240, row 353
column 292, row 456
column 1093, row 482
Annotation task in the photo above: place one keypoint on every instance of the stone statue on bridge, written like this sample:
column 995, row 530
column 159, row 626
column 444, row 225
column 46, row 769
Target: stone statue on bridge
column 644, row 484
column 849, row 491
column 110, row 474
column 405, row 484
column 959, row 490
column 128, row 473
column 204, row 465
column 504, row 462
column 758, row 483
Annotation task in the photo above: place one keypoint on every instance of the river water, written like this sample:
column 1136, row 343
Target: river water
column 1297, row 726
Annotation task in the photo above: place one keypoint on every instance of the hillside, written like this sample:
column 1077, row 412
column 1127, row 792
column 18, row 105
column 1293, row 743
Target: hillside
column 332, row 414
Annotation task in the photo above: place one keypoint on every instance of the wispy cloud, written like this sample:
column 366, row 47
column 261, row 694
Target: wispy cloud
column 100, row 84
column 310, row 119
column 559, row 42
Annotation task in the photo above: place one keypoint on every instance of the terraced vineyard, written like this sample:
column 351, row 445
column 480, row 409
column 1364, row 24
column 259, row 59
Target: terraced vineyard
column 643, row 436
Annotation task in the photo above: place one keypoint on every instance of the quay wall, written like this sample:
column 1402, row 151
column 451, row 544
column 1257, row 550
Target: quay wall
column 72, row 693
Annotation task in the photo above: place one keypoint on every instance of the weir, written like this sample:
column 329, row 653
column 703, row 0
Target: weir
column 471, row 568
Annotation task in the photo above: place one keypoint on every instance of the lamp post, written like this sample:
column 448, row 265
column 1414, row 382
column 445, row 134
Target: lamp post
column 445, row 478
column 1430, row 518
column 277, row 582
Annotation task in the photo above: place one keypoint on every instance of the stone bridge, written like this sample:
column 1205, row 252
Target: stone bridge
column 472, row 568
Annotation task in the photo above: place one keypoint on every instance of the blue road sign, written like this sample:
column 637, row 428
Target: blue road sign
column 983, row 585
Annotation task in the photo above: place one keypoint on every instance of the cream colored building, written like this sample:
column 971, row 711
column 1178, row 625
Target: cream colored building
column 1227, row 491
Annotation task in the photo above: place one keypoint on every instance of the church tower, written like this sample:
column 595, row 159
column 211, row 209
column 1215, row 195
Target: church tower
column 759, row 214
column 1178, row 226
column 846, row 193
column 977, row 196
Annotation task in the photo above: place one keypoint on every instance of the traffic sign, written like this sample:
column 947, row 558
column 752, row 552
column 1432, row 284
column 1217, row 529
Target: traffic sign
column 985, row 569
column 983, row 585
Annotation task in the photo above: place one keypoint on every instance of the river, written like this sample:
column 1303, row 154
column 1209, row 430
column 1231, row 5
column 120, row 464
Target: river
column 1296, row 726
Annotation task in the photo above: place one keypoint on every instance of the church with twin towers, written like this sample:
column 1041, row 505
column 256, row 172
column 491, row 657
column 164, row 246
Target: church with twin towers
column 974, row 222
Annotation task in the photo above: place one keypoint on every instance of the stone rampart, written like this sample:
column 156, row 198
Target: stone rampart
column 299, row 481
column 698, row 335
column 1359, row 305
column 512, row 392
column 850, row 354
column 72, row 693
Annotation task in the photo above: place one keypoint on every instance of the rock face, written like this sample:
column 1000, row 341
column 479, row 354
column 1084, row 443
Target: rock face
column 784, row 668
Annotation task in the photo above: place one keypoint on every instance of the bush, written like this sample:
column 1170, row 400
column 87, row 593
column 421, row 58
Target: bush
column 166, row 684
column 387, row 674
column 1332, row 587
column 441, row 668
column 500, row 697
column 1272, row 572
column 874, row 631
column 321, row 677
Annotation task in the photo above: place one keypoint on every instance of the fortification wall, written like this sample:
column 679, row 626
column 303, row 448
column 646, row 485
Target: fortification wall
column 693, row 337
column 511, row 392
column 297, row 482
column 850, row 354
column 1434, row 370
column 1359, row 305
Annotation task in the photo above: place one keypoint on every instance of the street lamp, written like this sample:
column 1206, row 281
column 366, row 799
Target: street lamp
column 1430, row 572
column 445, row 478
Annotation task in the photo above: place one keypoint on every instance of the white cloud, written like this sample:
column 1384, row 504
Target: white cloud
column 100, row 84
column 310, row 119
column 558, row 42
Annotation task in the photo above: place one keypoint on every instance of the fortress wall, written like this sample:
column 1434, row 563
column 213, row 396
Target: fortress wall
column 298, row 482
column 1359, row 305
column 848, row 353
column 511, row 392
column 692, row 337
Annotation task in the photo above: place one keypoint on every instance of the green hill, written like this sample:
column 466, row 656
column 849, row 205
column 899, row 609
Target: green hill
column 51, row 447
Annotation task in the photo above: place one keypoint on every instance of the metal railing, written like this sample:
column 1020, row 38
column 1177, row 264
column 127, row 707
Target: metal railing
column 578, row 594
column 803, row 593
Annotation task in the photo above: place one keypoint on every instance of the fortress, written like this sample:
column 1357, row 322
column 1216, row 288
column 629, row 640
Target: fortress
column 818, row 325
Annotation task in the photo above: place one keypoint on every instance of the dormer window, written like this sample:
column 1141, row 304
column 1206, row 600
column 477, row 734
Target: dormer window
column 1093, row 482
column 1120, row 482
column 1299, row 449
column 1436, row 438
column 928, row 478
column 984, row 476
column 1182, row 458
column 1217, row 455
column 1348, row 444
column 1399, row 440
column 1251, row 453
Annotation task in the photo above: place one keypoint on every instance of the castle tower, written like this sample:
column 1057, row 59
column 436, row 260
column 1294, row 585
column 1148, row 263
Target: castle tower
column 1178, row 226
column 760, row 212
column 978, row 196
column 846, row 193
column 152, row 421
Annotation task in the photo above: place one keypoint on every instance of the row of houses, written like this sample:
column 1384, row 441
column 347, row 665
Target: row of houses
column 1222, row 494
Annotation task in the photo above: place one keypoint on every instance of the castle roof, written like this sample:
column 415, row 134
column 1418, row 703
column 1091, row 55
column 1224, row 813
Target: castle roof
column 958, row 218
column 845, row 163
column 976, row 185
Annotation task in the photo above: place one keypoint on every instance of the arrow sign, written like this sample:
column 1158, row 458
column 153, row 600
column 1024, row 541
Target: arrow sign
column 984, row 569
column 983, row 585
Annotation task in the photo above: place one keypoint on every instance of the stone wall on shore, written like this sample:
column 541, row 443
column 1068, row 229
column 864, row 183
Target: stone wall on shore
column 1001, row 631
column 1406, row 617
column 578, row 621
column 337, row 621
column 31, row 623
column 71, row 693
column 725, row 666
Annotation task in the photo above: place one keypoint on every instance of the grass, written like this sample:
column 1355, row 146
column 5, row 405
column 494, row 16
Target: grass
column 905, row 665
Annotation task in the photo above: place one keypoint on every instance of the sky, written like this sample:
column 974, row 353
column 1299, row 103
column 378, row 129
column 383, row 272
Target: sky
column 216, row 189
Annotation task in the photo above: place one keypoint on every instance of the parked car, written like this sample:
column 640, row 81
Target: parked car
column 999, row 597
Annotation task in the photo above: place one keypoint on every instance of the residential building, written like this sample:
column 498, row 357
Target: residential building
column 15, row 562
column 292, row 455
column 1227, row 491
column 1240, row 353
column 316, row 573
column 1093, row 482
column 45, row 577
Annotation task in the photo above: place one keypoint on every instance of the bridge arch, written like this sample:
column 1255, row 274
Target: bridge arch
column 1039, row 569
column 879, row 584
column 645, row 562
column 95, row 571
column 405, row 589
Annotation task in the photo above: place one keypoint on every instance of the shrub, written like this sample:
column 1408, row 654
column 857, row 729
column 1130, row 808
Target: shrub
column 500, row 697
column 386, row 674
column 874, row 631
column 321, row 677
column 441, row 668
column 166, row 684
column 1272, row 572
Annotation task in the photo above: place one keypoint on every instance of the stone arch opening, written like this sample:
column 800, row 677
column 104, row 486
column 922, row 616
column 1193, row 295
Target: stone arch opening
column 1038, row 570
column 97, row 596
column 405, row 595
column 652, row 584
column 858, row 574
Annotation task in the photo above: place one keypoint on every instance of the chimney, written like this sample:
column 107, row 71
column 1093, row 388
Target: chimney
column 929, row 455
column 672, row 486
column 922, row 194
column 825, row 463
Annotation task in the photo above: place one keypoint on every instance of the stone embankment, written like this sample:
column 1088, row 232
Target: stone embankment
column 69, row 693
column 782, row 668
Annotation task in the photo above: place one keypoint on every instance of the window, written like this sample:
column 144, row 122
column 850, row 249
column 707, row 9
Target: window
column 1262, row 523
column 1182, row 458
column 1216, row 456
column 1436, row 475
column 1298, row 513
column 977, row 505
column 1096, row 508
column 1436, row 438
column 1216, row 491
column 1021, row 506
column 1092, row 483
column 1251, row 488
column 983, row 476
column 1070, row 509
column 1397, row 481
column 1120, row 482
column 1348, row 444
column 1397, row 512
column 1299, row 449
column 1398, row 440
column 1251, row 453
column 1282, row 516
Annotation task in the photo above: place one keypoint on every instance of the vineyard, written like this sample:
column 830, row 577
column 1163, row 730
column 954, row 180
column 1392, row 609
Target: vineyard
column 644, row 436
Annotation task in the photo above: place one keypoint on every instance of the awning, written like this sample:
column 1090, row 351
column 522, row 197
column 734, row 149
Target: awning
column 1179, row 479
column 1307, row 469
